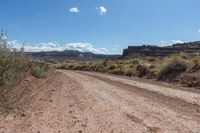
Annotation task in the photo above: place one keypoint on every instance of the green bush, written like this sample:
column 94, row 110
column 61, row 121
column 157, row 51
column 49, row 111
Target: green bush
column 196, row 62
column 191, row 80
column 129, row 71
column 168, row 68
column 105, row 62
column 117, row 71
column 61, row 66
column 141, row 70
column 171, row 70
column 41, row 70
column 13, row 65
column 135, row 61
column 112, row 66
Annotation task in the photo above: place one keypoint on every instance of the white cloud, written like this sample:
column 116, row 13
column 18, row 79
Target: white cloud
column 54, row 46
column 14, row 44
column 49, row 46
column 164, row 43
column 167, row 43
column 102, row 10
column 199, row 30
column 74, row 10
column 177, row 41
column 86, row 47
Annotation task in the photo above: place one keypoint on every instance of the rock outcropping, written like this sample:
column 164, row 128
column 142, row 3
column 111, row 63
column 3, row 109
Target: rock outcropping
column 151, row 50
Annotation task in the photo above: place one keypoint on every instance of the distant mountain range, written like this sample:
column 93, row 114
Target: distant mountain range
column 131, row 51
column 59, row 56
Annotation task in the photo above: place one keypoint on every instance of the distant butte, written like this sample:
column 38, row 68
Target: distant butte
column 151, row 50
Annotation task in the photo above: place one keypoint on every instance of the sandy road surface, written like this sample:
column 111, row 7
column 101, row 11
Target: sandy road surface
column 86, row 102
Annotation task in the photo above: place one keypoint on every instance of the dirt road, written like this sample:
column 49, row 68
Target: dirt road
column 86, row 102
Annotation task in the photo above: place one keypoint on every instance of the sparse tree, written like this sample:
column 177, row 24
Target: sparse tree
column 3, row 39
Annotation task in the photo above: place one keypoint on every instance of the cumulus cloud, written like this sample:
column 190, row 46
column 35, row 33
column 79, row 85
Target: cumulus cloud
column 54, row 46
column 166, row 43
column 86, row 47
column 74, row 10
column 102, row 10
column 14, row 44
column 177, row 41
column 49, row 46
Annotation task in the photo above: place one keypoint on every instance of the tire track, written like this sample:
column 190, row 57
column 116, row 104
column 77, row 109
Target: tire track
column 178, row 105
column 151, row 114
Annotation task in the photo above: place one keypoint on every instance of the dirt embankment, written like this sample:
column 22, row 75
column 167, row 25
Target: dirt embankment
column 86, row 102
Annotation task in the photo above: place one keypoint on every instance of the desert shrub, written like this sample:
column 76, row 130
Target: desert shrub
column 76, row 67
column 152, row 74
column 135, row 61
column 151, row 59
column 71, row 66
column 152, row 66
column 120, row 62
column 100, row 69
column 61, row 66
column 105, row 62
column 169, row 67
column 191, row 80
column 117, row 71
column 141, row 70
column 81, row 67
column 113, row 66
column 183, row 55
column 40, row 70
column 92, row 67
column 176, row 57
column 13, row 65
column 196, row 62
column 129, row 71
column 171, row 70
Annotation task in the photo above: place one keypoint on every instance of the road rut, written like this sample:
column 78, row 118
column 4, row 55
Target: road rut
column 87, row 102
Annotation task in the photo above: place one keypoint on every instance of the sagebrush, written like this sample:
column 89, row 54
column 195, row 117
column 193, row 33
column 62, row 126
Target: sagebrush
column 168, row 68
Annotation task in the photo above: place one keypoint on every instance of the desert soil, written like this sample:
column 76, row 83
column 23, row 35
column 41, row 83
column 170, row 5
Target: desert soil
column 88, row 102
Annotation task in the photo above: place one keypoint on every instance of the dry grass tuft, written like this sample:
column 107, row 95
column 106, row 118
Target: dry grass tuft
column 167, row 68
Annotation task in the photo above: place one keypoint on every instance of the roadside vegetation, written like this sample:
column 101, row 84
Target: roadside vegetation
column 181, row 67
column 15, row 65
column 41, row 70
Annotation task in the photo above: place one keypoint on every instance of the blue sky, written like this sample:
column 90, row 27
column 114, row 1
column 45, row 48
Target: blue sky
column 100, row 26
